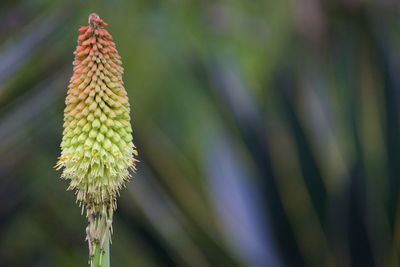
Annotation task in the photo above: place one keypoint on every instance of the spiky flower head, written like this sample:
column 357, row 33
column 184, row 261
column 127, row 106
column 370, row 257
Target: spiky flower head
column 97, row 152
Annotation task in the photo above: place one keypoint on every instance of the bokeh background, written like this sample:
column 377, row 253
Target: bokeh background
column 268, row 132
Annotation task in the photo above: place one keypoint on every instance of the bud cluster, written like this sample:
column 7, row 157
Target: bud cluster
column 97, row 150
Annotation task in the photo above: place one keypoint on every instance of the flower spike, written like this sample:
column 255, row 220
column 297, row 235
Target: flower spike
column 97, row 152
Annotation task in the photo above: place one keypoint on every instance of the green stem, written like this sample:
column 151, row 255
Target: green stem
column 102, row 259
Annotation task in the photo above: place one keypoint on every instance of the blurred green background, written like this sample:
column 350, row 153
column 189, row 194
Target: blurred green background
column 268, row 132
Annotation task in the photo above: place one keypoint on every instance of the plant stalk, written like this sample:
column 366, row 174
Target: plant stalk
column 102, row 258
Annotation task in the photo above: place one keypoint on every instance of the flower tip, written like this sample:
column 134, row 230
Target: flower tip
column 95, row 21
